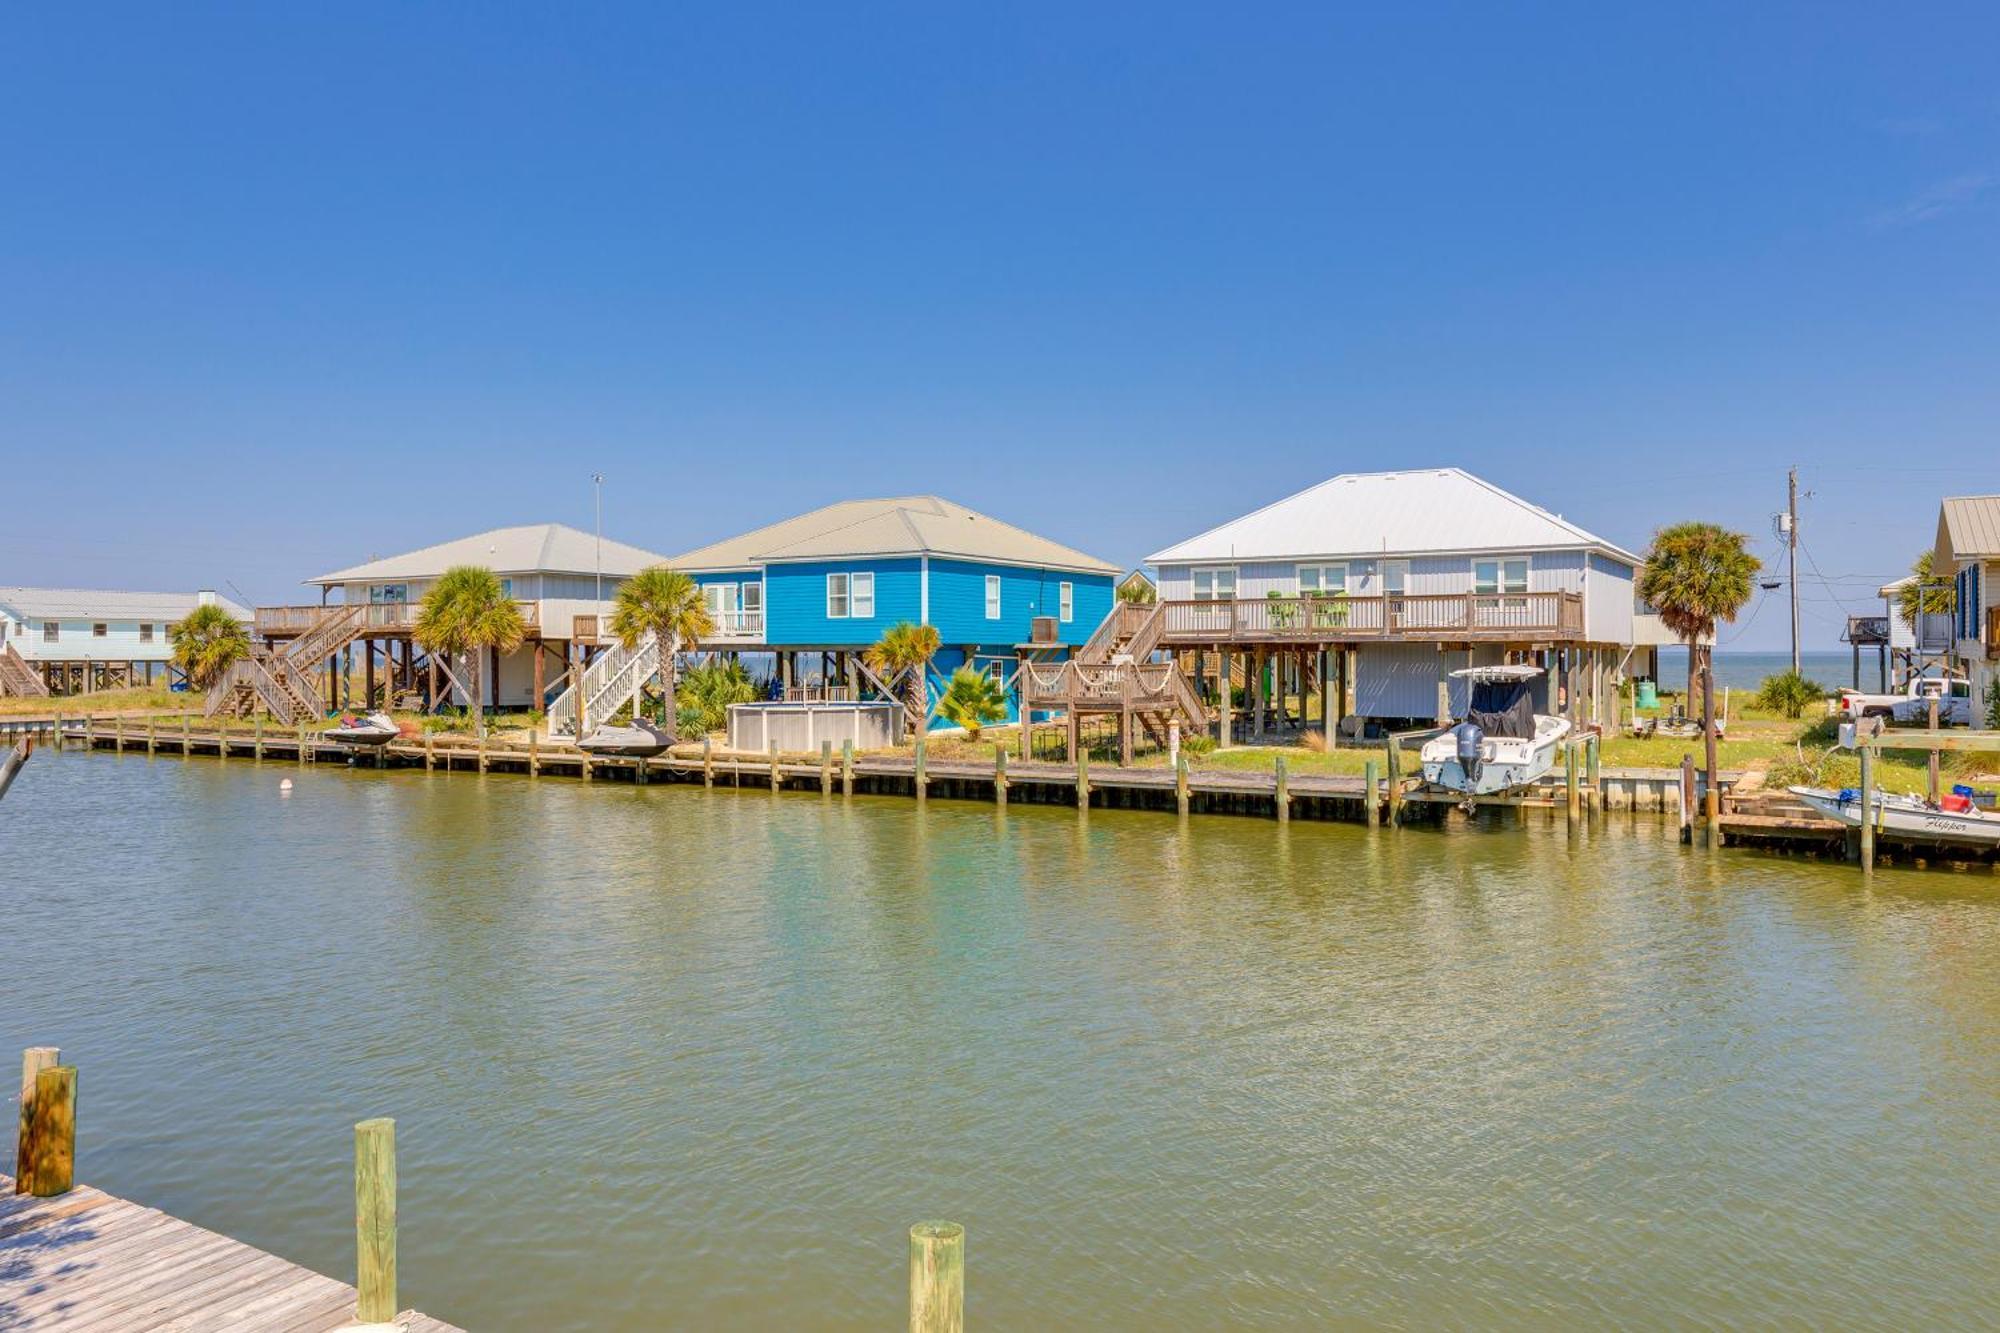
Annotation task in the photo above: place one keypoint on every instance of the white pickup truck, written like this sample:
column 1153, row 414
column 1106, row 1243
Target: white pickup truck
column 1913, row 706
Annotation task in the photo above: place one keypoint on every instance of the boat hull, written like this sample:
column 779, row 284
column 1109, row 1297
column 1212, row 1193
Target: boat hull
column 1908, row 819
column 1507, row 764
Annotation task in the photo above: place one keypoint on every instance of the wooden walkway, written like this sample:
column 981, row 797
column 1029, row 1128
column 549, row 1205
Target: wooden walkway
column 87, row 1260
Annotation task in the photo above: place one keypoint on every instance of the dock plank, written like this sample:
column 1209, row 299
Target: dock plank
column 88, row 1260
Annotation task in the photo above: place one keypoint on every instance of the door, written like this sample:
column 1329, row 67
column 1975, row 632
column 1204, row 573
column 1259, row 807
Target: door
column 750, row 601
column 1395, row 580
column 721, row 602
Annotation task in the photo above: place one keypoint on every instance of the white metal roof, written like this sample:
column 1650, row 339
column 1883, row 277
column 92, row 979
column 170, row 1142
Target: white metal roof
column 105, row 604
column 906, row 526
column 538, row 548
column 1367, row 514
column 1968, row 529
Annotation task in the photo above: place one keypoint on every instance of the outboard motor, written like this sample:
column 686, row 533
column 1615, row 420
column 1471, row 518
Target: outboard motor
column 1468, row 737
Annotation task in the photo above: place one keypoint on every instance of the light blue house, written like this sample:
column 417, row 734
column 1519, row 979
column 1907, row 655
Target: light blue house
column 75, row 640
column 818, row 589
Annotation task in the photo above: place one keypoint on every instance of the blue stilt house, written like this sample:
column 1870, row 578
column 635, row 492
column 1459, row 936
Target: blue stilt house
column 817, row 590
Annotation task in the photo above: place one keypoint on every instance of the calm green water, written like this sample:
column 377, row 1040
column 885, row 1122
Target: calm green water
column 664, row 1058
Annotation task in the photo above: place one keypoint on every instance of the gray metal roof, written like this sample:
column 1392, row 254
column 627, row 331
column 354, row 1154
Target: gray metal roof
column 1968, row 529
column 107, row 604
column 537, row 548
column 1368, row 514
column 906, row 526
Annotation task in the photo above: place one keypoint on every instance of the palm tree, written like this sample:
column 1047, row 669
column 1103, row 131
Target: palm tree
column 971, row 700
column 1697, row 574
column 908, row 647
column 1927, row 596
column 1138, row 591
column 207, row 643
column 465, row 613
column 667, row 605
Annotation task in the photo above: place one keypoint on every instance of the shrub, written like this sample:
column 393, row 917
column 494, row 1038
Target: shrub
column 1197, row 744
column 971, row 700
column 1788, row 693
column 703, row 695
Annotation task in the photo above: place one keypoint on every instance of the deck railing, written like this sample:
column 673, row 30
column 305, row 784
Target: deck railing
column 1408, row 616
column 284, row 622
column 736, row 625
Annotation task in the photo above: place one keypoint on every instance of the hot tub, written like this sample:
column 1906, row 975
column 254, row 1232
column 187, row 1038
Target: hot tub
column 798, row 728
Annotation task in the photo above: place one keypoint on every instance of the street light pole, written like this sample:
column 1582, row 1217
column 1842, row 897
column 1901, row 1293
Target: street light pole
column 1792, row 556
column 597, row 484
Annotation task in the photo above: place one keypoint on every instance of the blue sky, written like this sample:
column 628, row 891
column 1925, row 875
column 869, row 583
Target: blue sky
column 285, row 286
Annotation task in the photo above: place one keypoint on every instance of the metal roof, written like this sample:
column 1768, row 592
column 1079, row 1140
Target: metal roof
column 1968, row 529
column 538, row 548
column 1369, row 514
column 105, row 604
column 907, row 526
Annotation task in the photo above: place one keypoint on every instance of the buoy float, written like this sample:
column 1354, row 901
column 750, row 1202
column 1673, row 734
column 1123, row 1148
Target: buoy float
column 286, row 785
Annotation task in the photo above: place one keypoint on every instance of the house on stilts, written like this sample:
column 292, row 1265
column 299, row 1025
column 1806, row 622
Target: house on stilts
column 78, row 640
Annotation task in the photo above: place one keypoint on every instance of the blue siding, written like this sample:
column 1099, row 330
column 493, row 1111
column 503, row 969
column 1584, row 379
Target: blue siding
column 795, row 602
column 958, row 602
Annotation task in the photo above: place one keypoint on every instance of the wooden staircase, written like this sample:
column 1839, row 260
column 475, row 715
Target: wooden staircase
column 280, row 676
column 617, row 674
column 1110, row 673
column 17, row 678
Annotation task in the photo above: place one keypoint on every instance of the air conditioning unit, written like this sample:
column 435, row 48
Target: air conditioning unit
column 1045, row 630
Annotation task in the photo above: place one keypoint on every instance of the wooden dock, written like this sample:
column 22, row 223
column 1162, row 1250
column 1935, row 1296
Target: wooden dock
column 88, row 1260
column 1271, row 793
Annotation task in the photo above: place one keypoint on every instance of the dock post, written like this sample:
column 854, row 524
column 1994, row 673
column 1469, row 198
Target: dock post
column 847, row 768
column 51, row 1166
column 1181, row 784
column 1000, row 776
column 771, row 750
column 375, row 1221
column 826, row 768
column 1284, row 790
column 1932, row 764
column 259, row 747
column 534, row 753
column 430, row 749
column 33, row 1061
column 923, row 780
column 1868, row 807
column 642, row 770
column 1395, row 777
column 1373, row 808
column 1082, row 778
column 1595, row 775
column 707, row 760
column 1572, row 797
column 118, row 736
column 152, row 732
column 187, row 724
column 89, row 732
column 937, row 1278
column 303, row 754
column 482, row 754
column 1687, row 798
column 59, row 731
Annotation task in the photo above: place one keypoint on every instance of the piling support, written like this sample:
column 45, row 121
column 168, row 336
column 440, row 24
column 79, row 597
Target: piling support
column 1868, row 807
column 707, row 760
column 1572, row 797
column 51, row 1162
column 1395, row 776
column 1284, row 791
column 1595, row 776
column 1687, row 798
column 118, row 735
column 937, row 1278
column 33, row 1061
column 1082, row 779
column 1181, row 784
column 1368, row 794
column 152, row 733
column 375, row 1221
column 922, row 778
column 187, row 726
column 826, row 768
column 258, row 747
column 847, row 768
column 1000, row 776
column 771, row 752
column 430, row 749
column 303, row 752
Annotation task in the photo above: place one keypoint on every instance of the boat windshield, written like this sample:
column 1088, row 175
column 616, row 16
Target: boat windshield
column 1502, row 708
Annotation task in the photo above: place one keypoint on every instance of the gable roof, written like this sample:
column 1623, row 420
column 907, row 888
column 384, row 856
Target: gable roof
column 104, row 604
column 1365, row 514
column 1968, row 529
column 538, row 548
column 910, row 526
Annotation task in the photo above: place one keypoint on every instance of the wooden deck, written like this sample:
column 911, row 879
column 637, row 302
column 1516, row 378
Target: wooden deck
column 87, row 1260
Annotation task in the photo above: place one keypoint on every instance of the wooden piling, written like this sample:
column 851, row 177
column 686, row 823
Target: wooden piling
column 152, row 733
column 1395, row 777
column 1284, row 791
column 51, row 1167
column 303, row 752
column 118, row 734
column 1868, row 807
column 847, row 768
column 826, row 768
column 375, row 1221
column 1082, row 778
column 1181, row 784
column 922, row 779
column 1368, row 794
column 187, row 725
column 1572, row 797
column 430, row 750
column 1687, row 798
column 534, row 751
column 1595, row 744
column 1000, row 776
column 258, row 745
column 482, row 754
column 707, row 761
column 33, row 1061
column 771, row 750
column 937, row 1278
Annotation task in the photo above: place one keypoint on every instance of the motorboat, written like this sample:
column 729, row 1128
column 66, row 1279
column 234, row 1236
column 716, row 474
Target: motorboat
column 376, row 728
column 1956, row 818
column 637, row 739
column 1502, row 742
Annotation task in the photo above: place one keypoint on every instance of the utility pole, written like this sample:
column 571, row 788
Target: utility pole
column 597, row 485
column 1792, row 555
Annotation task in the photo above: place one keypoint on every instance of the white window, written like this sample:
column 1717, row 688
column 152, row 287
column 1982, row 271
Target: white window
column 1395, row 575
column 1215, row 585
column 1499, row 576
column 864, row 596
column 383, row 594
column 1322, row 580
column 51, row 631
column 836, row 597
column 998, row 670
column 750, row 598
column 992, row 596
column 145, row 631
column 1066, row 602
